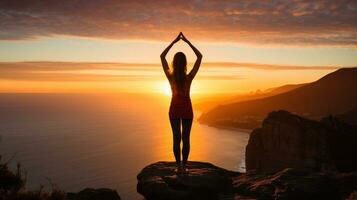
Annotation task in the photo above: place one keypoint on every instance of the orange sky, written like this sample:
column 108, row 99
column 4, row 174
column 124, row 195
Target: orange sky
column 122, row 77
column 114, row 46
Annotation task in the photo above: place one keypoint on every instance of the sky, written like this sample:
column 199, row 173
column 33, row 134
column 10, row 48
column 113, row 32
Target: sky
column 108, row 45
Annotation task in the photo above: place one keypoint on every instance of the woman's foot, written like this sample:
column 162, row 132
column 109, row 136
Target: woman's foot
column 178, row 170
column 184, row 169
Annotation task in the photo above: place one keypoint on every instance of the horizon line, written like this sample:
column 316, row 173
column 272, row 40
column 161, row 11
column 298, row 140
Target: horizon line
column 265, row 66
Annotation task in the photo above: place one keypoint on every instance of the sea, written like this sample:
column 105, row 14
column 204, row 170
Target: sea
column 77, row 141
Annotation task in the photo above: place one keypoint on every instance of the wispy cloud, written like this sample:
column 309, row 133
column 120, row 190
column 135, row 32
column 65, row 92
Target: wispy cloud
column 269, row 66
column 69, row 71
column 255, row 22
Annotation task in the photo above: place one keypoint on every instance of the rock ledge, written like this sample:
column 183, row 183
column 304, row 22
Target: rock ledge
column 203, row 181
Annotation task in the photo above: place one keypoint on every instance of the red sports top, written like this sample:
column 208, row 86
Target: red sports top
column 180, row 106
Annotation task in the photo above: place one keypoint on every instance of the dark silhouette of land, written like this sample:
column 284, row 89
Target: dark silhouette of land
column 207, row 103
column 302, row 144
column 333, row 94
column 349, row 117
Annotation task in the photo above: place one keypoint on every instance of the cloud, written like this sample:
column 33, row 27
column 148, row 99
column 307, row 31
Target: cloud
column 298, row 22
column 73, row 66
column 73, row 72
column 269, row 66
column 106, row 72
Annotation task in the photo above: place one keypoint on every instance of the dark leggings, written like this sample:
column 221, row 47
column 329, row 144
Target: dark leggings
column 176, row 130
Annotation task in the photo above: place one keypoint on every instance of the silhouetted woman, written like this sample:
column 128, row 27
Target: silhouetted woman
column 180, row 113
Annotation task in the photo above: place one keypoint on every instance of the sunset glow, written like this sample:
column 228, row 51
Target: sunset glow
column 111, row 77
column 138, row 99
column 37, row 55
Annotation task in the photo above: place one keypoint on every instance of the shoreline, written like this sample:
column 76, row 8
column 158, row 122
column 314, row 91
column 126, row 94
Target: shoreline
column 199, row 114
column 248, row 131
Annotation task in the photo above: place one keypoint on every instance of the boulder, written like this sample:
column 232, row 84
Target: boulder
column 159, row 181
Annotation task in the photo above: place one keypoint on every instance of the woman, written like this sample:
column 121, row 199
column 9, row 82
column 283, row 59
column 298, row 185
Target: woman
column 180, row 108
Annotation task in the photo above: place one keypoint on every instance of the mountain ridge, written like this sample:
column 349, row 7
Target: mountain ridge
column 333, row 94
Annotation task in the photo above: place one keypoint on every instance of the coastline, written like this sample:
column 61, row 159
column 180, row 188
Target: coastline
column 199, row 114
column 248, row 131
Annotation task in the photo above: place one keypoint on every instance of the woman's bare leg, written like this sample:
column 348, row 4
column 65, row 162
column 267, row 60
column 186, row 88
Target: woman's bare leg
column 176, row 131
column 186, row 129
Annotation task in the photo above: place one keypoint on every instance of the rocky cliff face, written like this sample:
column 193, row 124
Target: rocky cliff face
column 286, row 140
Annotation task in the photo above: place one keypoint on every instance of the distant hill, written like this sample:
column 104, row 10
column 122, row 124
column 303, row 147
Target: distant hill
column 206, row 104
column 333, row 94
column 282, row 89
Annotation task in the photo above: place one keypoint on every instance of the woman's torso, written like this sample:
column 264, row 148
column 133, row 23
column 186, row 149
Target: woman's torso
column 183, row 91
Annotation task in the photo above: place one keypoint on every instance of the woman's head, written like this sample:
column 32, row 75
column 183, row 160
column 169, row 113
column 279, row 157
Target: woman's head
column 179, row 65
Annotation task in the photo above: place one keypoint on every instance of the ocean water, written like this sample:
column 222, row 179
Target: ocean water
column 87, row 140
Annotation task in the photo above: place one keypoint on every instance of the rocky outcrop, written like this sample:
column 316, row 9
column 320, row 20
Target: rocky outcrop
column 205, row 181
column 94, row 194
column 286, row 140
column 159, row 181
column 292, row 184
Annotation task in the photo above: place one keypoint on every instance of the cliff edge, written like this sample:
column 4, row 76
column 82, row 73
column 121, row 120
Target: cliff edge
column 286, row 140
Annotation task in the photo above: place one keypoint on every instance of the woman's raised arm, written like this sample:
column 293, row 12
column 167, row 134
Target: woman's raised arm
column 164, row 63
column 197, row 64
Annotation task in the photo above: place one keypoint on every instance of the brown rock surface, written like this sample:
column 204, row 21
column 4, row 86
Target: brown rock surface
column 286, row 140
column 292, row 184
column 203, row 181
column 206, row 181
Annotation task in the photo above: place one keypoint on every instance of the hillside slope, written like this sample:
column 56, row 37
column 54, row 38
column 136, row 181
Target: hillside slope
column 206, row 104
column 333, row 94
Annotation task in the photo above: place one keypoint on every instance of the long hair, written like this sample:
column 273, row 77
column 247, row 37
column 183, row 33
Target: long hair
column 179, row 65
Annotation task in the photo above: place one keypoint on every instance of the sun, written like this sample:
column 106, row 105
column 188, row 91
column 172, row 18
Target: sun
column 164, row 88
column 167, row 90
